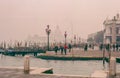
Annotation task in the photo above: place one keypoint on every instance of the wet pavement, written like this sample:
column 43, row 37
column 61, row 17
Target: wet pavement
column 18, row 73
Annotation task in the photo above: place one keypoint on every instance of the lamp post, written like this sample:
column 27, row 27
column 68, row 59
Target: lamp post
column 107, row 43
column 79, row 41
column 72, row 49
column 65, row 36
column 48, row 31
column 75, row 40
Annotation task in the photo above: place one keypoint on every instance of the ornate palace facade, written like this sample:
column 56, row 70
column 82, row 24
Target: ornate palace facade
column 112, row 30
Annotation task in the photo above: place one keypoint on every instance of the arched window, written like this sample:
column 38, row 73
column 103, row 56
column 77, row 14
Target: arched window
column 108, row 30
column 117, row 30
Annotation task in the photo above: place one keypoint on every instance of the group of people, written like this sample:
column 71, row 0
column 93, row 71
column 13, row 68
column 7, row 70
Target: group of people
column 62, row 48
column 87, row 46
column 108, row 47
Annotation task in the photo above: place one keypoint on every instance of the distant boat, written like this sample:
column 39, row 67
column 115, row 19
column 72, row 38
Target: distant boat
column 2, row 51
column 22, row 51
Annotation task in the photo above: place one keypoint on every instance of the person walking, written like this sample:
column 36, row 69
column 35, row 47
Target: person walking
column 101, row 47
column 56, row 49
column 86, row 47
column 113, row 46
column 69, row 47
column 108, row 47
column 61, row 49
column 65, row 49
column 117, row 47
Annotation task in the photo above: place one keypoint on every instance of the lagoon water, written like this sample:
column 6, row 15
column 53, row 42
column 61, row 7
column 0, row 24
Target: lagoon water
column 84, row 68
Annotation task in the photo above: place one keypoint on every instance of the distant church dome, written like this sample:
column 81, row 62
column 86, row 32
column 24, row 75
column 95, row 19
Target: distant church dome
column 58, row 36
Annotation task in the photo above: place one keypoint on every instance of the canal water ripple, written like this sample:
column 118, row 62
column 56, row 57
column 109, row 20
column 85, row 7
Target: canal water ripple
column 84, row 68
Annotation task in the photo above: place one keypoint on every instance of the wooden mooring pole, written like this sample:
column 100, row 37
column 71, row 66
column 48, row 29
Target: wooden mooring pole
column 26, row 64
column 112, row 67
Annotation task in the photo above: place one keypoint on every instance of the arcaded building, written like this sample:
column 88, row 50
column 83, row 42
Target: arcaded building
column 112, row 30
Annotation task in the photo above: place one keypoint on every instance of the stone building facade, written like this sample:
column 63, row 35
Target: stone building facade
column 112, row 30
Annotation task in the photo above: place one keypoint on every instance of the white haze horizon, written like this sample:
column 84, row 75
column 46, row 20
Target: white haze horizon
column 21, row 18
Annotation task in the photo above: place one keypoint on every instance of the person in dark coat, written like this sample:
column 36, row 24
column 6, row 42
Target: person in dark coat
column 113, row 47
column 61, row 49
column 117, row 46
column 69, row 47
column 65, row 49
column 86, row 47
column 56, row 49
column 101, row 47
column 108, row 47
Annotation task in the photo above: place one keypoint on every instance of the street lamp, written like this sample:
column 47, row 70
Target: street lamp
column 65, row 36
column 75, row 40
column 48, row 31
column 79, row 41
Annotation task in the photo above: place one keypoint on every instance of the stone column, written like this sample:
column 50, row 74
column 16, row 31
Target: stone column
column 114, row 33
column 112, row 67
column 26, row 64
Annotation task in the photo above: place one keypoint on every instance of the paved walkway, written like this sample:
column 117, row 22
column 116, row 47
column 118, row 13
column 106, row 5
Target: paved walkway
column 81, row 53
column 18, row 73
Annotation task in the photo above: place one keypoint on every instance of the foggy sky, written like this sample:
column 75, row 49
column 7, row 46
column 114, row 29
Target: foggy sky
column 20, row 18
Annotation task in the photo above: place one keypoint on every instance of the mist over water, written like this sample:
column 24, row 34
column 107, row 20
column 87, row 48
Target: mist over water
column 59, row 67
column 21, row 18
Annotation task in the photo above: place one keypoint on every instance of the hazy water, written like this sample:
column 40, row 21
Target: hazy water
column 59, row 67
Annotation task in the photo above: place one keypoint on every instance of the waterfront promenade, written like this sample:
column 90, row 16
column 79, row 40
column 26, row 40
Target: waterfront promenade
column 18, row 73
column 77, row 53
